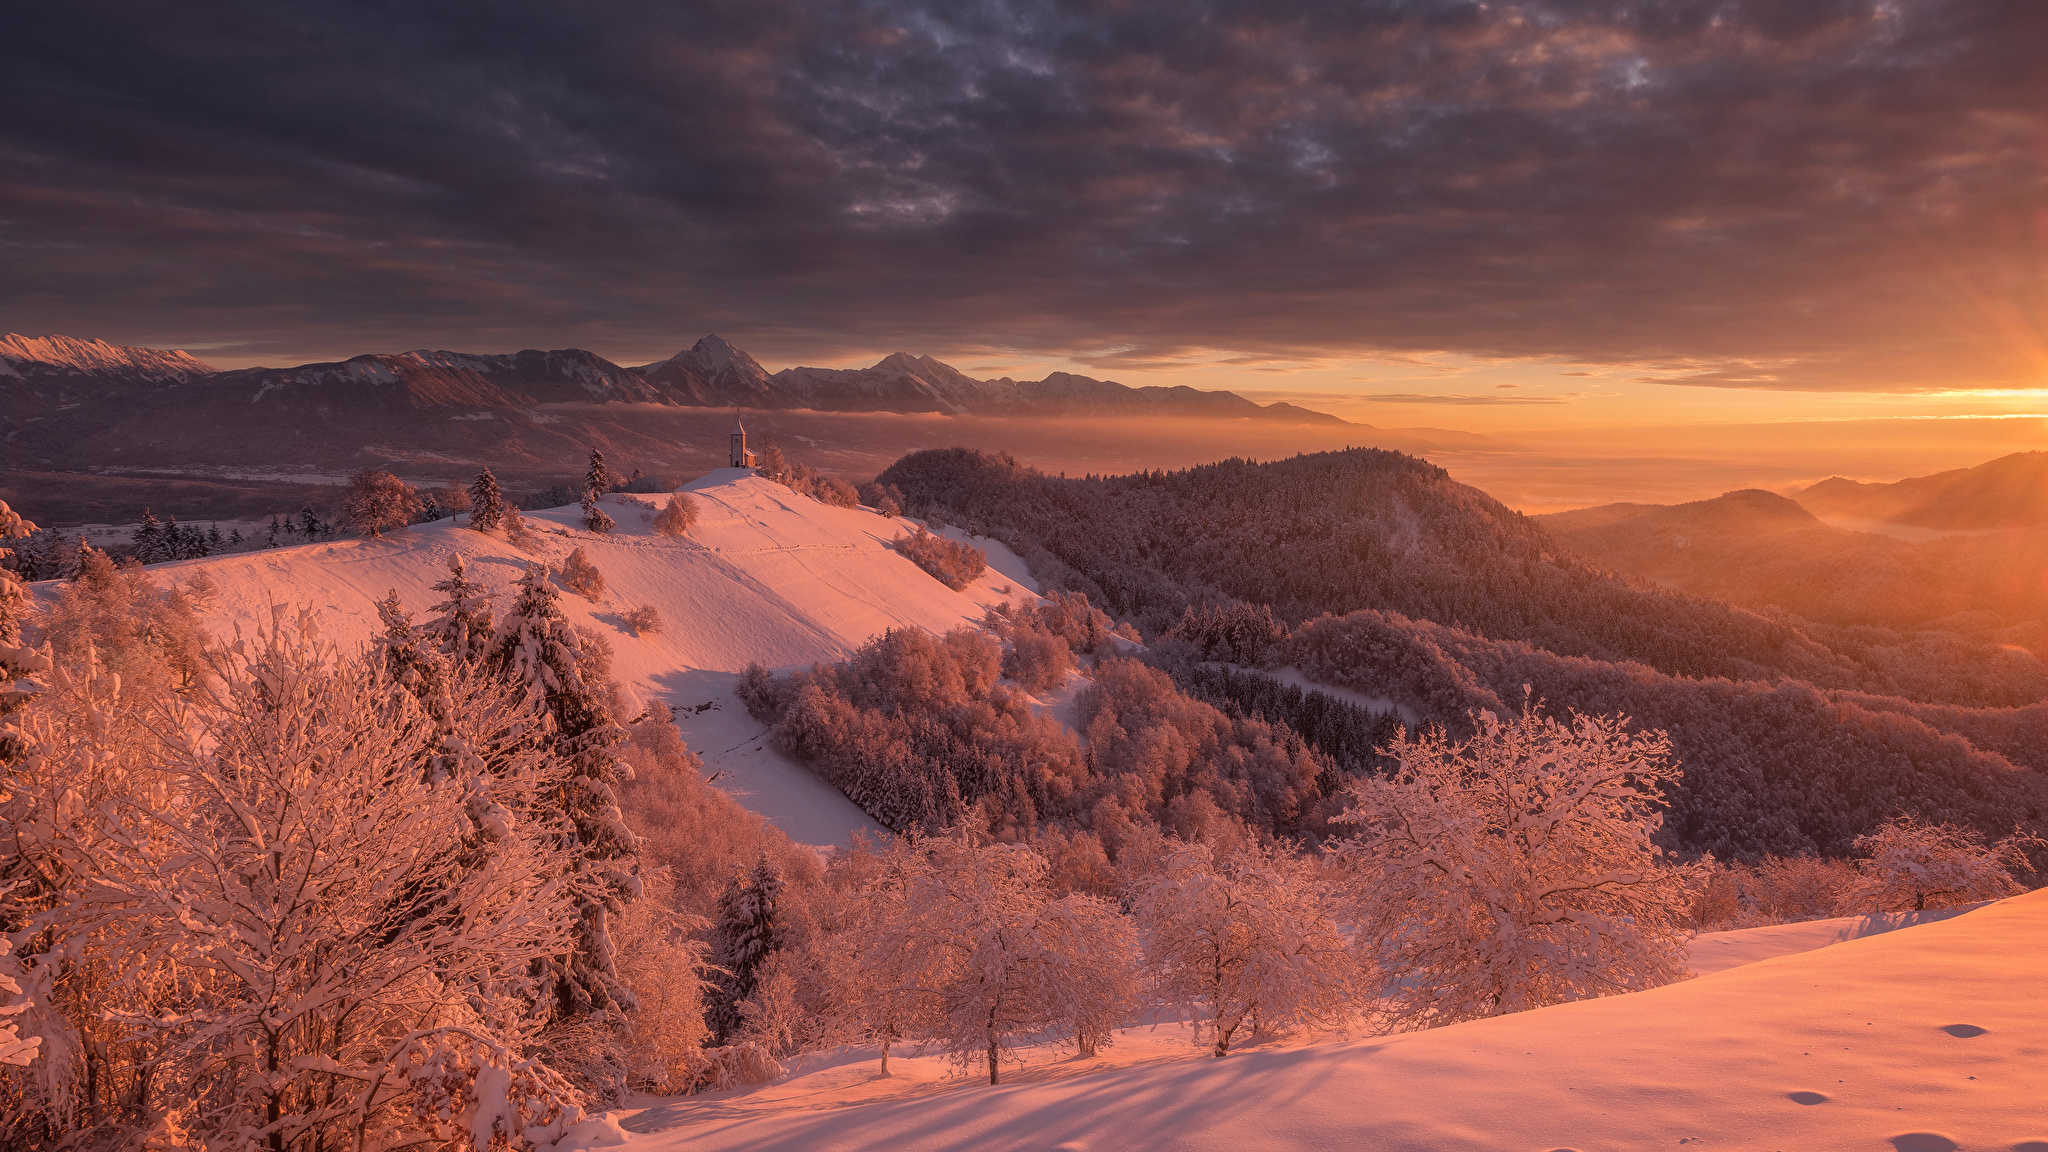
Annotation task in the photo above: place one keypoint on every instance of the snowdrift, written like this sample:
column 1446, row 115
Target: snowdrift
column 1928, row 1039
column 765, row 575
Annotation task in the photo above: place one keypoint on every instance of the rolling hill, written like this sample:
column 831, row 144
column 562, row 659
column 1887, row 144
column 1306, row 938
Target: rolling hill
column 765, row 575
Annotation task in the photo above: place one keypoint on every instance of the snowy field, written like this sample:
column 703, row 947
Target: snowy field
column 1929, row 1039
column 765, row 575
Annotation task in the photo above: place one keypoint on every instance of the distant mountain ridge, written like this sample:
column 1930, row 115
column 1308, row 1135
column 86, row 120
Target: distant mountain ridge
column 68, row 398
column 2009, row 492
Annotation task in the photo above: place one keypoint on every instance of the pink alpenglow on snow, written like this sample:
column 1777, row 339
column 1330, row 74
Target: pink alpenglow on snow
column 1924, row 1038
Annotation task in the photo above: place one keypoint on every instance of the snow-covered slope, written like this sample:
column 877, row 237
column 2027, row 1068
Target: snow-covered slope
column 1931, row 1039
column 765, row 575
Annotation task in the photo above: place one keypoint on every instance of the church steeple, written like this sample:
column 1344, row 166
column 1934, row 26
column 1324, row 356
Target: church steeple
column 741, row 458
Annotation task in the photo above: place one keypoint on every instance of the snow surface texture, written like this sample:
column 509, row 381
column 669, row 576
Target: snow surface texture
column 1927, row 1040
column 765, row 575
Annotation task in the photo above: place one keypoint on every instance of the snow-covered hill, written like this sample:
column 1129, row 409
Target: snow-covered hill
column 1929, row 1039
column 765, row 575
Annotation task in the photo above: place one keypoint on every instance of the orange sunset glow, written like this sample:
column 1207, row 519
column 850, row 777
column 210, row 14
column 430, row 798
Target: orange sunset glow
column 994, row 576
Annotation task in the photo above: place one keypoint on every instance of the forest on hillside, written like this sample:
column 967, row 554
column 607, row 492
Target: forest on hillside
column 1375, row 572
column 1335, row 532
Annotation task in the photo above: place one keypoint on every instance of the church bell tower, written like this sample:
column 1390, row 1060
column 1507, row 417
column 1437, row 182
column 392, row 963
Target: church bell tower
column 741, row 458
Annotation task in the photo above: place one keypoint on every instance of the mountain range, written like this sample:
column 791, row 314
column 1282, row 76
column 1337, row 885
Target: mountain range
column 86, row 386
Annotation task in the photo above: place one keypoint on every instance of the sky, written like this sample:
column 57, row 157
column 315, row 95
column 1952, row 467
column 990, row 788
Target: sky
column 1487, row 216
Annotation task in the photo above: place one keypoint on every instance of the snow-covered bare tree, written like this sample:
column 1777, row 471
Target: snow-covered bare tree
column 536, row 646
column 1516, row 869
column 378, row 500
column 460, row 626
column 312, row 909
column 675, row 519
column 1910, row 864
column 486, row 502
column 453, row 498
column 1003, row 959
column 1250, row 941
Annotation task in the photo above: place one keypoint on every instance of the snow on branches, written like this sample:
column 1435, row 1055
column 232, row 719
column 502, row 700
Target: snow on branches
column 963, row 944
column 1515, row 869
column 1252, row 939
column 1910, row 864
column 316, row 885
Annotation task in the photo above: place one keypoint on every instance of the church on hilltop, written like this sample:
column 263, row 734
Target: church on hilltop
column 741, row 458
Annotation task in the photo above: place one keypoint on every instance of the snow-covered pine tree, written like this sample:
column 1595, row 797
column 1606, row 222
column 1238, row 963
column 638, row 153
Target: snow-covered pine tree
column 214, row 540
column 744, row 936
column 309, row 523
column 430, row 509
column 147, row 539
column 594, row 517
column 486, row 502
column 235, row 538
column 598, row 479
column 536, row 645
column 17, row 662
column 461, row 626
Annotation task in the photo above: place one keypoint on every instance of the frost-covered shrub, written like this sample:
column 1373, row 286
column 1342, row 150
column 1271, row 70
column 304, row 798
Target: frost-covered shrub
column 644, row 620
column 1775, row 890
column 1516, row 869
column 1910, row 864
column 1251, row 938
column 581, row 576
column 677, row 516
column 950, row 562
column 378, row 500
column 1037, row 659
column 806, row 480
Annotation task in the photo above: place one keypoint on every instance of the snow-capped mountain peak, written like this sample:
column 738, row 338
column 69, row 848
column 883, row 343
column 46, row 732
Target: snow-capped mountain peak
column 65, row 355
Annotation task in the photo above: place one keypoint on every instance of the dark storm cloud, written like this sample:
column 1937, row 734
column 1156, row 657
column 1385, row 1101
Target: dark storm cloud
column 1801, row 194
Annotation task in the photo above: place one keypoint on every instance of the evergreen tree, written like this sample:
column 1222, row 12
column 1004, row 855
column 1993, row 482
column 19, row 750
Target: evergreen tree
column 461, row 625
column 270, row 541
column 599, row 479
column 594, row 517
column 747, row 933
column 535, row 645
column 147, row 539
column 486, row 502
column 234, row 538
column 309, row 523
column 214, row 540
column 17, row 662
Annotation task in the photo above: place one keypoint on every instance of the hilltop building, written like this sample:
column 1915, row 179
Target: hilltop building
column 741, row 458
